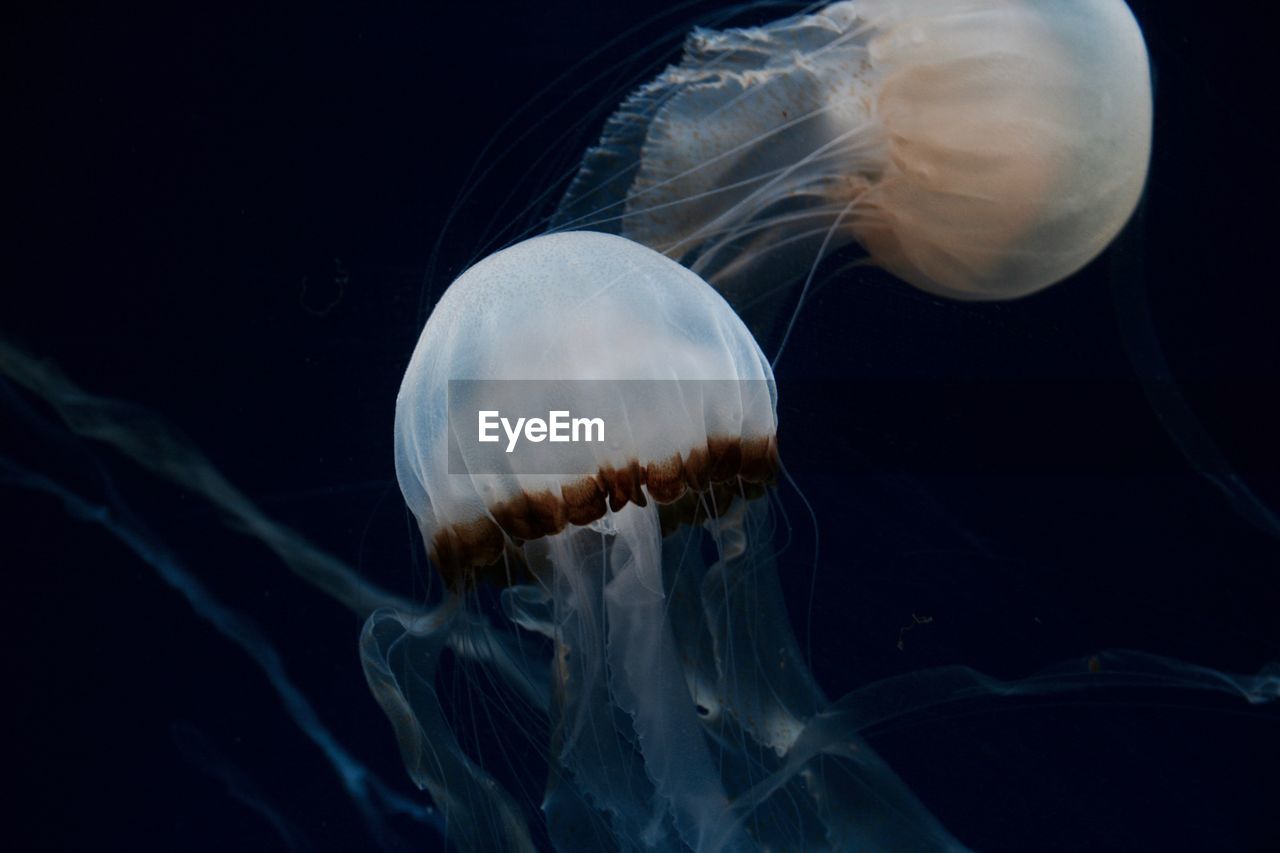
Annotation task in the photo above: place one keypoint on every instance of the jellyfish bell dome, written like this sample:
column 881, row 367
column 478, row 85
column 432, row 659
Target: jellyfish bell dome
column 980, row 149
column 1019, row 137
column 606, row 328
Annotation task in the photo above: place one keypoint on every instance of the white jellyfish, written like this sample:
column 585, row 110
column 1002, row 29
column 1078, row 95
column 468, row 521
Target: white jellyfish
column 979, row 149
column 640, row 638
column 680, row 713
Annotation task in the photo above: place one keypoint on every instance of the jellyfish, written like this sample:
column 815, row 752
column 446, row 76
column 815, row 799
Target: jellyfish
column 977, row 149
column 681, row 713
column 652, row 651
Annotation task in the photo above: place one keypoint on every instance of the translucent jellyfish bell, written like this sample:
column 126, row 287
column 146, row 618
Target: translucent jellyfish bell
column 980, row 149
column 581, row 306
column 680, row 713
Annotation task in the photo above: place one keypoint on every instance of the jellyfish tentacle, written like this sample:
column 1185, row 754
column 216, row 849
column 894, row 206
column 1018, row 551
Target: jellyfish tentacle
column 648, row 683
column 146, row 439
column 400, row 653
column 590, row 740
column 832, row 781
column 374, row 800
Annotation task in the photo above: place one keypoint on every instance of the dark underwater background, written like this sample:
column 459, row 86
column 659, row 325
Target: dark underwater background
column 239, row 215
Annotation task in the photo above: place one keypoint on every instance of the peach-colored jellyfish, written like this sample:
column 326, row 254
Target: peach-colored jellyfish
column 674, row 708
column 979, row 149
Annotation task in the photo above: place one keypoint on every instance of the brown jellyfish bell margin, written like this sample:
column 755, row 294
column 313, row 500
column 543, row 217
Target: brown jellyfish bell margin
column 687, row 488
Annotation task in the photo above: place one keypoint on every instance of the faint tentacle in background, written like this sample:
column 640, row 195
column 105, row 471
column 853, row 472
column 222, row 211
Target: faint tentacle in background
column 146, row 439
column 1175, row 414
